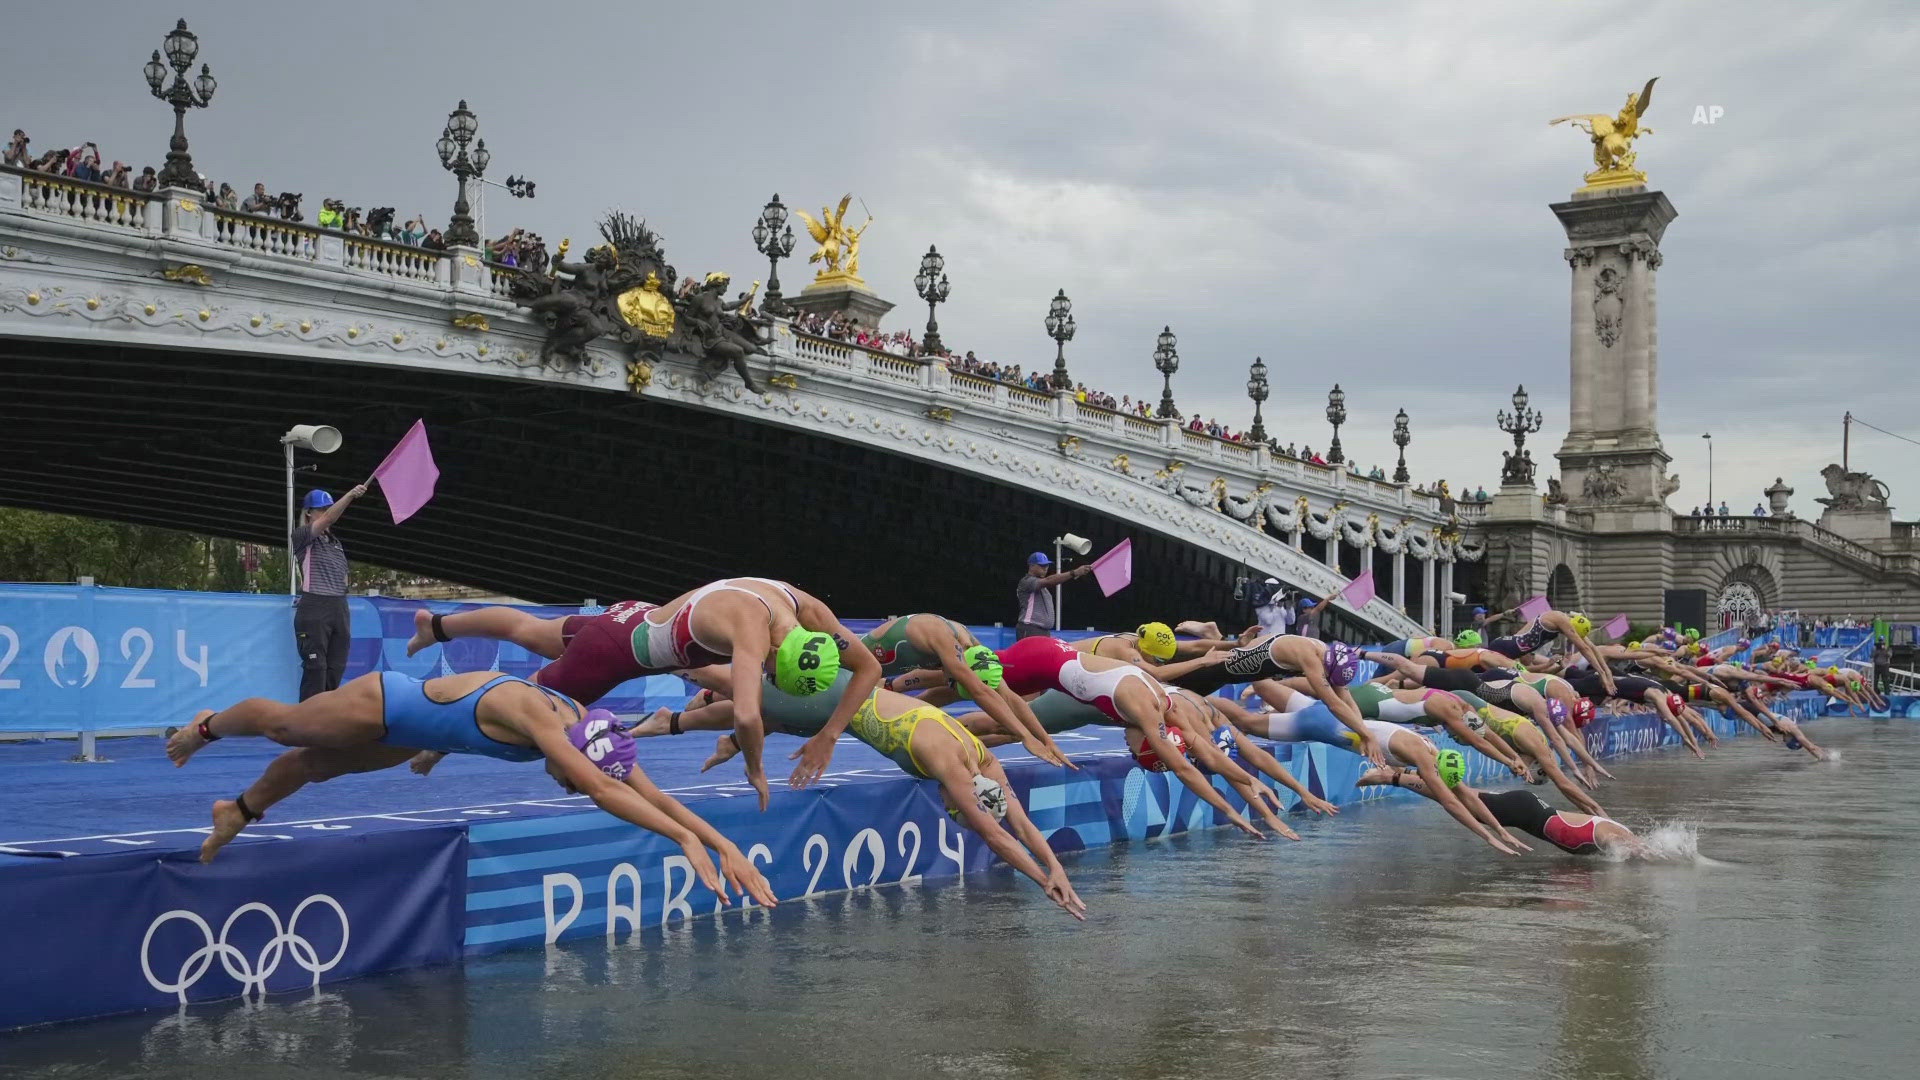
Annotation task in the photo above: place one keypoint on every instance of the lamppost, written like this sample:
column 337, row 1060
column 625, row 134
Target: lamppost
column 1401, row 437
column 1336, row 415
column 1167, row 360
column 1257, row 390
column 931, row 284
column 1520, row 423
column 1060, row 328
column 1709, row 437
column 452, row 146
column 773, row 237
column 181, row 47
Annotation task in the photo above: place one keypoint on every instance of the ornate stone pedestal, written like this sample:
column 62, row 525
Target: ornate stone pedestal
column 1612, row 462
column 1869, row 525
column 1516, row 502
column 842, row 297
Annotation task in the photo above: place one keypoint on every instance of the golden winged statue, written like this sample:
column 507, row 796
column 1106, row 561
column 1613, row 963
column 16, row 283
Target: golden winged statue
column 1613, row 154
column 839, row 250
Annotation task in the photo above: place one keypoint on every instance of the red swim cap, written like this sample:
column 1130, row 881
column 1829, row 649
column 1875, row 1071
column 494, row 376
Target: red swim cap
column 1147, row 758
column 1676, row 703
column 1583, row 712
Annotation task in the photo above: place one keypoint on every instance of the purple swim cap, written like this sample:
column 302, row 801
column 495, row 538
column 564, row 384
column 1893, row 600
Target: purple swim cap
column 605, row 742
column 1557, row 712
column 1343, row 662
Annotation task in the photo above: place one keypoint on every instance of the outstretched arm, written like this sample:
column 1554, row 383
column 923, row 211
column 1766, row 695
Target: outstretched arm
column 957, row 783
column 855, row 657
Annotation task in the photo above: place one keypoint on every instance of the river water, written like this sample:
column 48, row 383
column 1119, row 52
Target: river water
column 1388, row 944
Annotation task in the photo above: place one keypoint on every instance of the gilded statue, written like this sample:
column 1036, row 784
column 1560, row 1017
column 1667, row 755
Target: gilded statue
column 839, row 250
column 1613, row 153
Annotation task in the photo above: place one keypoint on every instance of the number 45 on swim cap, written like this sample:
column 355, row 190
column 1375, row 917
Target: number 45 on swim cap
column 807, row 662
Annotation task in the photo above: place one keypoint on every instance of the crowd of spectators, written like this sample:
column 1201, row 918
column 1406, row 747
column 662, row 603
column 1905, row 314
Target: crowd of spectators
column 81, row 163
column 522, row 250
column 1708, row 510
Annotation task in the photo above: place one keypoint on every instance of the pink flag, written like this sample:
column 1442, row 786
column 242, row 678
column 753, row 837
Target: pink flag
column 1616, row 627
column 408, row 475
column 1359, row 591
column 1535, row 608
column 1114, row 570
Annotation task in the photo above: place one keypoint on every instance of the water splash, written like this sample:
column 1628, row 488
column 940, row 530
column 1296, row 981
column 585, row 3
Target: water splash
column 1832, row 757
column 1675, row 842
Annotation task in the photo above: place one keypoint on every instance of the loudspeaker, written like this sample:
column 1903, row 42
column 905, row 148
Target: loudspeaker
column 1687, row 607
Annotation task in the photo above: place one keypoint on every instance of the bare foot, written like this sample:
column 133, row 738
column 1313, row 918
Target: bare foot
column 424, row 761
column 186, row 742
column 227, row 823
column 724, row 748
column 660, row 723
column 422, row 631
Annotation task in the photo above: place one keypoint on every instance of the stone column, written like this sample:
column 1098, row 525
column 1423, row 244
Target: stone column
column 1427, row 584
column 1400, row 578
column 1612, row 463
column 1446, row 600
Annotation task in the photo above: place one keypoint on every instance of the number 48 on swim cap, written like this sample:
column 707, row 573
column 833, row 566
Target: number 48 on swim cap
column 807, row 662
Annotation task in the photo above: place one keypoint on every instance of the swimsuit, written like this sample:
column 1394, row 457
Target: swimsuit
column 802, row 716
column 893, row 736
column 418, row 722
column 898, row 654
column 1035, row 664
column 1524, row 642
column 1376, row 702
column 1245, row 664
column 1058, row 712
column 1315, row 723
column 1530, row 814
column 1503, row 722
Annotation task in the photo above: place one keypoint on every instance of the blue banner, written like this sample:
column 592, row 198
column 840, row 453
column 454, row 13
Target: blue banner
column 84, row 658
column 150, row 932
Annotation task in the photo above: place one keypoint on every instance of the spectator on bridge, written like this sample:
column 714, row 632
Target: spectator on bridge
column 1696, row 511
column 259, row 202
column 83, row 162
column 120, row 176
column 434, row 241
column 332, row 216
column 228, row 199
column 1759, row 510
column 1036, row 610
column 17, row 154
column 1724, row 512
column 321, row 628
column 147, row 181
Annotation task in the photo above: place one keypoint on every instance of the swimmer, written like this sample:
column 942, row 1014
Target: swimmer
column 1153, row 648
column 1638, row 690
column 748, row 622
column 1575, row 834
column 1528, row 695
column 1574, row 627
column 1427, row 707
column 926, row 744
column 1326, row 667
column 1526, row 739
column 1792, row 736
column 1405, row 747
column 381, row 719
column 1127, row 696
column 907, row 643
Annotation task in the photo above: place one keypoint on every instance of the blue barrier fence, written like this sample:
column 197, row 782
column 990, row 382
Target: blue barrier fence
column 90, row 658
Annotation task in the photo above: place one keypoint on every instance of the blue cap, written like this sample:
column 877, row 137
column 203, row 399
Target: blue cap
column 1039, row 558
column 1479, row 610
column 317, row 499
column 1306, row 601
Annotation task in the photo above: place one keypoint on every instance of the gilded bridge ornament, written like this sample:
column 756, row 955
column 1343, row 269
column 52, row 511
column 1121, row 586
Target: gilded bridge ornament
column 839, row 250
column 647, row 310
column 1613, row 153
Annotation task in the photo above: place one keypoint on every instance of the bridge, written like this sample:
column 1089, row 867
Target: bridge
column 153, row 348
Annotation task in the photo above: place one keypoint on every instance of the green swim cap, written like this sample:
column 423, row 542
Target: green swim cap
column 986, row 664
column 1453, row 767
column 1468, row 639
column 808, row 661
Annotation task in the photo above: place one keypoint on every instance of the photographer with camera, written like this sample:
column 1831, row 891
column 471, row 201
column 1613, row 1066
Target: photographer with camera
column 259, row 202
column 331, row 216
column 1270, row 608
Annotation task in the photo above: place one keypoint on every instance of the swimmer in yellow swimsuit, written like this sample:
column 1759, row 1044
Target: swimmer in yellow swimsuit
column 927, row 744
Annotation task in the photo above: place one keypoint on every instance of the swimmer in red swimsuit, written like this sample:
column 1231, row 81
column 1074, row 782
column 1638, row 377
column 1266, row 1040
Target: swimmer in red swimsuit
column 1575, row 834
column 1122, row 692
column 749, row 623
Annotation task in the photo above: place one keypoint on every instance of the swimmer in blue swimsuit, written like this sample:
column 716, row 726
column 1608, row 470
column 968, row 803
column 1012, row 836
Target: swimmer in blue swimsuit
column 382, row 719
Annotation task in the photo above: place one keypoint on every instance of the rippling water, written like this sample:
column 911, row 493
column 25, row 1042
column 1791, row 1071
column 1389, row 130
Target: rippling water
column 1387, row 944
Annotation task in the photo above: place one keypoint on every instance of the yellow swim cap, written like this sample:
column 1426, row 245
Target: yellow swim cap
column 1156, row 640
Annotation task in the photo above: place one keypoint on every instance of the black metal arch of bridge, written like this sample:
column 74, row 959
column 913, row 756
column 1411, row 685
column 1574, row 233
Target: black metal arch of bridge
column 557, row 494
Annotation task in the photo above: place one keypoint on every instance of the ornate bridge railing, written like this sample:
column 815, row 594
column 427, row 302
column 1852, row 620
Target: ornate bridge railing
column 169, row 271
column 1796, row 528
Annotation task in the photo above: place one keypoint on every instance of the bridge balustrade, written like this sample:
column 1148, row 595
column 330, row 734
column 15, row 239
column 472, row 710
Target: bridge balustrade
column 63, row 196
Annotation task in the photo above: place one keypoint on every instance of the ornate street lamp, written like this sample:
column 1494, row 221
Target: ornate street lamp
column 1336, row 415
column 1401, row 437
column 931, row 284
column 773, row 237
column 181, row 47
column 452, row 147
column 1520, row 423
column 1060, row 328
column 1257, row 390
column 1167, row 360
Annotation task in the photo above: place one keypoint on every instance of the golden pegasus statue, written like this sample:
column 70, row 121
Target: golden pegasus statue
column 1613, row 154
column 839, row 250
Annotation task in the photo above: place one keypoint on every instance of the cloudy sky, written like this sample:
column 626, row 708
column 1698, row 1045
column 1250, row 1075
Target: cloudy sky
column 1355, row 192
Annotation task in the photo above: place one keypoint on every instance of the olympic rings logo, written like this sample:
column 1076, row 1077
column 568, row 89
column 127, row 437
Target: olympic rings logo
column 251, row 973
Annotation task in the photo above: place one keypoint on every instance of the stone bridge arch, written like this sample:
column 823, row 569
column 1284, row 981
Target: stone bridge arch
column 1563, row 588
